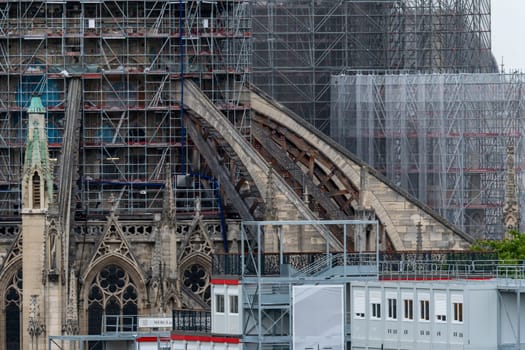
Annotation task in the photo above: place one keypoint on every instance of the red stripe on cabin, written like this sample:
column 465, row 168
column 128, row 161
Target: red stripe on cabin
column 223, row 281
column 152, row 339
column 205, row 338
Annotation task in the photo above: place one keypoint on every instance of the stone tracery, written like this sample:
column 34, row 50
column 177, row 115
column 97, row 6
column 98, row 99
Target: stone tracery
column 112, row 292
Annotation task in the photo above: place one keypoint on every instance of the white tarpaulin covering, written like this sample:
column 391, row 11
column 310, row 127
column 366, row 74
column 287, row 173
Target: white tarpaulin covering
column 318, row 317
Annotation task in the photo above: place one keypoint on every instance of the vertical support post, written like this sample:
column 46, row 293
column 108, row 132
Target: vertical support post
column 328, row 260
column 518, row 314
column 259, row 285
column 377, row 246
column 344, row 249
column 243, row 237
column 498, row 317
column 182, row 122
column 259, row 247
column 281, row 257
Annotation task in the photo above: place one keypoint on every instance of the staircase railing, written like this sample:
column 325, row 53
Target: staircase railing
column 319, row 265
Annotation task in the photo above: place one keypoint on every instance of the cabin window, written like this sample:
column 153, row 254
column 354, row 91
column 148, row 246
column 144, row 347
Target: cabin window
column 219, row 303
column 408, row 306
column 376, row 310
column 375, row 304
column 424, row 310
column 458, row 312
column 392, row 308
column 234, row 304
column 457, row 308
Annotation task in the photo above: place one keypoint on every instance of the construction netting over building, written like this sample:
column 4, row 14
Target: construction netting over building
column 299, row 44
column 442, row 137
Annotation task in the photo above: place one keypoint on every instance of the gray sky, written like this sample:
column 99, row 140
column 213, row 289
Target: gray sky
column 508, row 33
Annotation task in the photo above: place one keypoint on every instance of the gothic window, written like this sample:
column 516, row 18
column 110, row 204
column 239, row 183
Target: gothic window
column 196, row 279
column 12, row 303
column 112, row 301
column 36, row 191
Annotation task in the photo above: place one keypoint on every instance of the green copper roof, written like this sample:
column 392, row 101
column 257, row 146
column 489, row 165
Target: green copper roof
column 36, row 106
column 37, row 154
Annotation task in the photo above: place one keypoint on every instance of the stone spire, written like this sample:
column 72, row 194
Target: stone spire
column 511, row 215
column 71, row 326
column 37, row 183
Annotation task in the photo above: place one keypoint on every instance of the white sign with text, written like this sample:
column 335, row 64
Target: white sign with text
column 155, row 322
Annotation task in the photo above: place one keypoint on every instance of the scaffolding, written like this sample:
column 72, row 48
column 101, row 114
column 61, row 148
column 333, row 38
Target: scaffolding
column 129, row 57
column 268, row 279
column 442, row 137
column 299, row 44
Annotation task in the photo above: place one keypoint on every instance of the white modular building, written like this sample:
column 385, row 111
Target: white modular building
column 374, row 313
column 226, row 307
column 450, row 315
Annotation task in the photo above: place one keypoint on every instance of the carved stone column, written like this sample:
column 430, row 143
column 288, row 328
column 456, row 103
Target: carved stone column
column 35, row 327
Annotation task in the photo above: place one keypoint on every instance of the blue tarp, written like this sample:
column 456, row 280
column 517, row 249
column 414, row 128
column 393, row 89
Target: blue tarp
column 38, row 85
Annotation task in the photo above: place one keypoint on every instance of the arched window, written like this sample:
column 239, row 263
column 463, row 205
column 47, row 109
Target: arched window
column 36, row 191
column 12, row 303
column 112, row 302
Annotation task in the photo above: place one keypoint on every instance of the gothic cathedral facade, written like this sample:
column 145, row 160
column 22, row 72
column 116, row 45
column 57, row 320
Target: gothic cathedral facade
column 118, row 268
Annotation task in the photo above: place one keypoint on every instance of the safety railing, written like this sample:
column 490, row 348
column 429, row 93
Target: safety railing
column 400, row 265
column 432, row 270
column 322, row 264
column 194, row 321
column 119, row 324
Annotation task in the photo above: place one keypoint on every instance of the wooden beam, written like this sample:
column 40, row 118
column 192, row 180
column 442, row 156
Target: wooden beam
column 211, row 159
column 316, row 171
column 338, row 193
column 296, row 173
column 327, row 177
